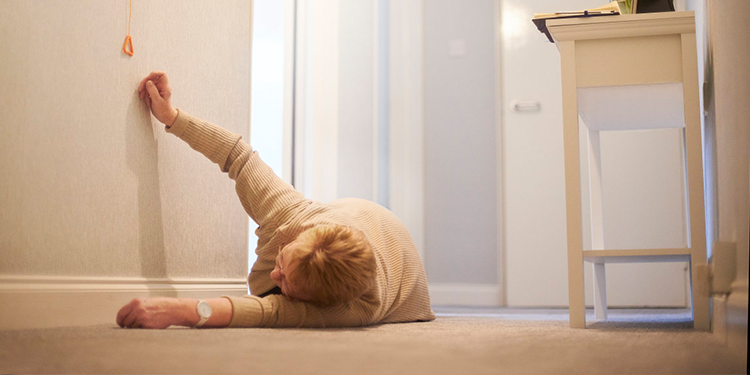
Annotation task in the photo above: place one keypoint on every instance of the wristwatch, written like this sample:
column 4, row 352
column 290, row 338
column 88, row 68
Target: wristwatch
column 204, row 311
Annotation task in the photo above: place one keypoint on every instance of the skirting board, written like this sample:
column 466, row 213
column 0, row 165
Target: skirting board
column 465, row 294
column 730, row 318
column 43, row 302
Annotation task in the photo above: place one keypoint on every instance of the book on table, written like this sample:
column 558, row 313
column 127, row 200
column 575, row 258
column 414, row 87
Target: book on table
column 612, row 9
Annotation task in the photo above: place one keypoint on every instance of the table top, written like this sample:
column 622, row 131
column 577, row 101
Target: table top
column 622, row 25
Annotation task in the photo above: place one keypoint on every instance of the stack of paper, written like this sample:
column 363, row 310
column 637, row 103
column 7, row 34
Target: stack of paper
column 611, row 9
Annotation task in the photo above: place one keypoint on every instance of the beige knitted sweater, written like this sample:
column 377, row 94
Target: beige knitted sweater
column 400, row 291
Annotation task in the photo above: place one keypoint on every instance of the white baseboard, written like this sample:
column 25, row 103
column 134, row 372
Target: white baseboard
column 43, row 301
column 736, row 318
column 719, row 318
column 465, row 294
column 730, row 318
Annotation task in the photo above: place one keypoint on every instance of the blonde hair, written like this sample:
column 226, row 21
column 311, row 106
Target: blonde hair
column 335, row 264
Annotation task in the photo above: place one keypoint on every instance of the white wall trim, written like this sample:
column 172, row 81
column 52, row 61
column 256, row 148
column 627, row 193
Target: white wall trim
column 465, row 294
column 302, row 144
column 729, row 323
column 501, row 274
column 250, row 79
column 731, row 318
column 406, row 71
column 325, row 117
column 55, row 301
column 375, row 96
column 290, row 36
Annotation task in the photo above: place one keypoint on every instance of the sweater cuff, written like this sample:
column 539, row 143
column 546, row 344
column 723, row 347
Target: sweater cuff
column 214, row 142
column 179, row 124
column 247, row 311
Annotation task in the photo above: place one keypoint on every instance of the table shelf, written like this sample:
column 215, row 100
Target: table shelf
column 637, row 255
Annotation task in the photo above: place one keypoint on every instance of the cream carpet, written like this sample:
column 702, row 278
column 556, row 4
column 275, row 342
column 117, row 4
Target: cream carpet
column 460, row 341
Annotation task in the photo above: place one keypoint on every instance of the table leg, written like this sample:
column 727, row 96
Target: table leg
column 572, row 186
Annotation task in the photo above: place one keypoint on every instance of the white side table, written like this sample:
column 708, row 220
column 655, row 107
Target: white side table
column 619, row 73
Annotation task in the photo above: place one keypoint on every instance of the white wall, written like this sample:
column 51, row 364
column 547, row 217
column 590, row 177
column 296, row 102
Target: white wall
column 728, row 87
column 730, row 84
column 95, row 195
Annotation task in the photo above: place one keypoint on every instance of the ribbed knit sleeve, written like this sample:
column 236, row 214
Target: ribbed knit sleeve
column 212, row 141
column 273, row 311
column 267, row 199
column 278, row 311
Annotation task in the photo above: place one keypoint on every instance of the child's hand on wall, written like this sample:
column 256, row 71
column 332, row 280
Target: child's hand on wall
column 155, row 90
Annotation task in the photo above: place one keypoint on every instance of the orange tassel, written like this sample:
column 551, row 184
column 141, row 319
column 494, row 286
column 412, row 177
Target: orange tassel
column 127, row 47
column 128, row 44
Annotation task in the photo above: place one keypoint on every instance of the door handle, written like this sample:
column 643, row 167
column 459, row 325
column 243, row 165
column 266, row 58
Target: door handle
column 525, row 106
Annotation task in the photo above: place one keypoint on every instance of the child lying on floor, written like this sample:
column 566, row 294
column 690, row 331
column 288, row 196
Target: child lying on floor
column 347, row 263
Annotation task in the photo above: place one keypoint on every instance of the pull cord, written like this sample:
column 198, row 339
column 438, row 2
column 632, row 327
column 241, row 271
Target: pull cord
column 127, row 47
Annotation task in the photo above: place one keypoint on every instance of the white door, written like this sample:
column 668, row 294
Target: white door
column 642, row 172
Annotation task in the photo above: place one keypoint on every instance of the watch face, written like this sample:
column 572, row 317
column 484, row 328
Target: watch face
column 204, row 309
